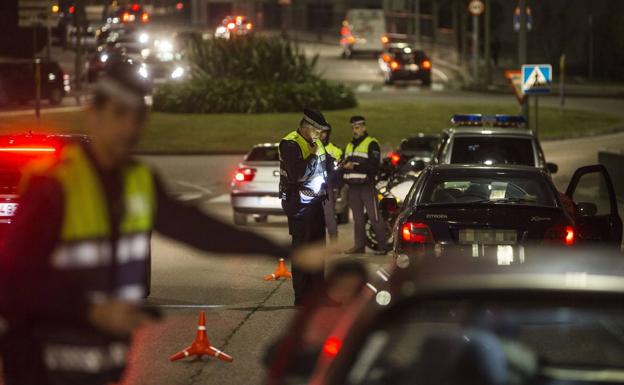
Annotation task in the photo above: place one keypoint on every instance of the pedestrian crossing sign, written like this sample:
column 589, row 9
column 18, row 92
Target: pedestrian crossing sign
column 536, row 78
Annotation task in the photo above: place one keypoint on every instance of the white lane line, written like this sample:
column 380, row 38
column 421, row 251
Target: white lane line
column 197, row 187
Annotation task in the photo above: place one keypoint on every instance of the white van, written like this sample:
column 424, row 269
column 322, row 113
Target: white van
column 363, row 31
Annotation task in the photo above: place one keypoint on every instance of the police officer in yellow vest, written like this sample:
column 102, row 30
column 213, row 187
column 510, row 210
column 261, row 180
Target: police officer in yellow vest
column 76, row 258
column 333, row 183
column 361, row 162
column 303, row 188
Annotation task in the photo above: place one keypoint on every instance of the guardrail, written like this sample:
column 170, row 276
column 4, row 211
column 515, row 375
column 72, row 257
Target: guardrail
column 613, row 160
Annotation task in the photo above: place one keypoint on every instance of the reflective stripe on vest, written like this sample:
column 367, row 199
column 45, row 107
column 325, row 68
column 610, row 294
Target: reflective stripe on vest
column 359, row 154
column 310, row 187
column 84, row 255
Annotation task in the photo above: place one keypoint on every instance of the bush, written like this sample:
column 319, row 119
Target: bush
column 207, row 95
column 250, row 75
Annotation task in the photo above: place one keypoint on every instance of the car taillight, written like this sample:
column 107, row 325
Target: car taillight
column 125, row 17
column 394, row 65
column 245, row 174
column 28, row 149
column 426, row 64
column 386, row 58
column 416, row 232
column 565, row 235
column 384, row 40
column 332, row 346
column 394, row 158
column 249, row 26
column 145, row 17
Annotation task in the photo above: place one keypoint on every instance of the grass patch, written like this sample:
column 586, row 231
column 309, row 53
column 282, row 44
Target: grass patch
column 388, row 121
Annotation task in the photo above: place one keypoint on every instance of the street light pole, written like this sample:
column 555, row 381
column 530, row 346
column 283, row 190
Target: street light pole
column 522, row 50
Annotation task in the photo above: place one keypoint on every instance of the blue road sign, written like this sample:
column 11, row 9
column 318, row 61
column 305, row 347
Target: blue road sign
column 536, row 78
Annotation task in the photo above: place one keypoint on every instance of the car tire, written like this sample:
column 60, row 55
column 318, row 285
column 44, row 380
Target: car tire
column 426, row 82
column 240, row 219
column 56, row 96
column 343, row 217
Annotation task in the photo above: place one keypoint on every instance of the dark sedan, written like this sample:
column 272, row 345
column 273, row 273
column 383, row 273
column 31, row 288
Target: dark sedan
column 400, row 61
column 480, row 206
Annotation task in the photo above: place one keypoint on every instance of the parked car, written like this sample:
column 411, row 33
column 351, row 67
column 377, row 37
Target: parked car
column 401, row 61
column 489, row 140
column 17, row 81
column 255, row 187
column 552, row 318
column 507, row 205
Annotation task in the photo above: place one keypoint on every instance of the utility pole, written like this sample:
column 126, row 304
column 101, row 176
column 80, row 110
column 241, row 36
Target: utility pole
column 463, row 21
column 475, row 48
column 417, row 24
column 590, row 22
column 435, row 15
column 487, row 42
column 522, row 50
column 456, row 29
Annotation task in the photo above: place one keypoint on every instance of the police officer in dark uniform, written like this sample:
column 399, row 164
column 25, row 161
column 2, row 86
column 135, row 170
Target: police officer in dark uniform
column 361, row 162
column 303, row 188
column 76, row 257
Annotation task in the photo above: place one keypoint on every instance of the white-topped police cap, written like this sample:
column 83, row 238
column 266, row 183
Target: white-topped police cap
column 315, row 118
column 123, row 82
column 357, row 120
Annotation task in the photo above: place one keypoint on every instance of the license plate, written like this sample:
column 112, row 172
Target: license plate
column 7, row 209
column 488, row 236
column 412, row 67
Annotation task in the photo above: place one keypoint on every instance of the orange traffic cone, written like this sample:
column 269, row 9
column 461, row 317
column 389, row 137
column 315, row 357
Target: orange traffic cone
column 201, row 345
column 281, row 272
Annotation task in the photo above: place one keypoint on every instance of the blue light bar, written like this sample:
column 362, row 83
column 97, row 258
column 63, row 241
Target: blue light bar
column 510, row 121
column 467, row 119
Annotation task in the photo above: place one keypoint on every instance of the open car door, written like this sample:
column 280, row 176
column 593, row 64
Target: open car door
column 597, row 218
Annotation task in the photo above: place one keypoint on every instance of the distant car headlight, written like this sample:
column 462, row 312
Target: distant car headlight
column 145, row 52
column 143, row 71
column 103, row 58
column 221, row 30
column 165, row 46
column 177, row 73
column 143, row 38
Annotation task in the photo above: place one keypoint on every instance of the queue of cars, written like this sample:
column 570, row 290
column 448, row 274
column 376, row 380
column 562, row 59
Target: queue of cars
column 495, row 277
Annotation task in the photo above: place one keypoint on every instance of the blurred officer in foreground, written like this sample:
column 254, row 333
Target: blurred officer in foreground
column 302, row 189
column 77, row 256
column 334, row 154
column 361, row 162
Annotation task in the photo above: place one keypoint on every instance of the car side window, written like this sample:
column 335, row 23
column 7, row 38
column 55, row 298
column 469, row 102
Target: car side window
column 438, row 152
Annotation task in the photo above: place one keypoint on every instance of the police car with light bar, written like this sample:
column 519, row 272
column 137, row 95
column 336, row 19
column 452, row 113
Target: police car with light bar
column 490, row 140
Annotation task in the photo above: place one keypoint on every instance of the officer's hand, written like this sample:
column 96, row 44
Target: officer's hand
column 117, row 318
column 348, row 166
column 314, row 148
column 311, row 257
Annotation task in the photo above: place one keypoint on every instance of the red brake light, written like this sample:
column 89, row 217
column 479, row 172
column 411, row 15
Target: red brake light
column 426, row 64
column 72, row 9
column 416, row 232
column 245, row 174
column 565, row 235
column 394, row 65
column 231, row 25
column 180, row 6
column 135, row 7
column 394, row 158
column 28, row 149
column 332, row 346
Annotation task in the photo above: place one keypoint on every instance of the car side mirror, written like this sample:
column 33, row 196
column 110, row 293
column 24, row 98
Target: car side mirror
column 552, row 167
column 417, row 165
column 586, row 209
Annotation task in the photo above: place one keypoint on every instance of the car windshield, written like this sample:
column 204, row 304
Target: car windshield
column 263, row 154
column 511, row 341
column 492, row 150
column 418, row 145
column 498, row 188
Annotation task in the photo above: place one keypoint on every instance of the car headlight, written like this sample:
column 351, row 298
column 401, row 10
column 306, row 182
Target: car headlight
column 221, row 30
column 145, row 52
column 103, row 58
column 165, row 46
column 177, row 73
column 143, row 71
column 143, row 38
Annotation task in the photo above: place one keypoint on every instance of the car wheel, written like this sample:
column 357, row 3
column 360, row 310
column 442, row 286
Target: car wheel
column 426, row 82
column 56, row 96
column 240, row 218
column 261, row 218
column 343, row 217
